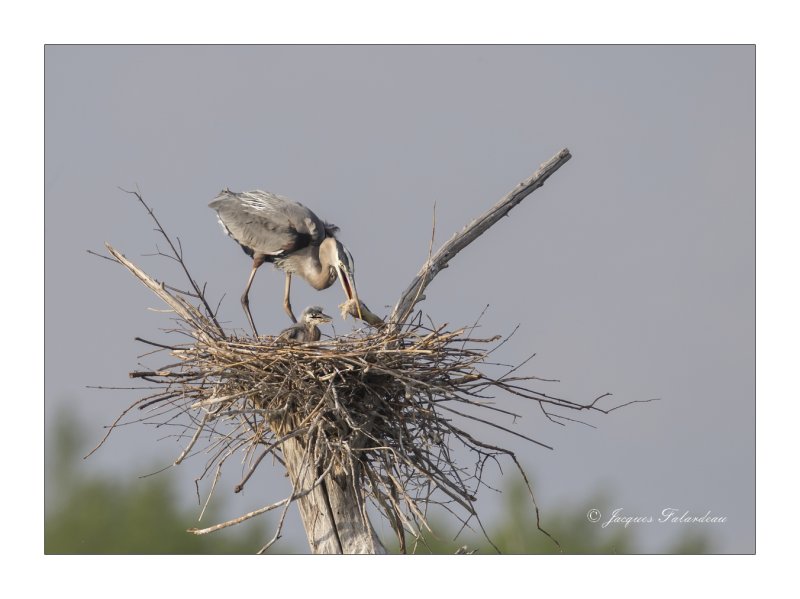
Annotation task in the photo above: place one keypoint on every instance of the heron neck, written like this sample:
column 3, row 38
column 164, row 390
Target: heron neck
column 315, row 266
column 319, row 277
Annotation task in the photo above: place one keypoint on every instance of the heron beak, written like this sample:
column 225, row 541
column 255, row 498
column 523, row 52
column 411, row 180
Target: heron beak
column 323, row 318
column 349, row 286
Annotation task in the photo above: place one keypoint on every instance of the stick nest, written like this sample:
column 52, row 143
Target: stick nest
column 386, row 407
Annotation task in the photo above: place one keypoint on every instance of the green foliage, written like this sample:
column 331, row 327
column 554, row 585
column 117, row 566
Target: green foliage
column 517, row 533
column 100, row 515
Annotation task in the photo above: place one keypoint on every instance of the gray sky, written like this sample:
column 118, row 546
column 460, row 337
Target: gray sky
column 630, row 271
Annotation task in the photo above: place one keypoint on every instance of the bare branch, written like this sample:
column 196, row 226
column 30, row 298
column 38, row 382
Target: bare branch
column 178, row 256
column 414, row 292
column 183, row 309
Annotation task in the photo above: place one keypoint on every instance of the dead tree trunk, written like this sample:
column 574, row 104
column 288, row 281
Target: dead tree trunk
column 332, row 512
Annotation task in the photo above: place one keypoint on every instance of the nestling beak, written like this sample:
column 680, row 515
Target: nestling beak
column 349, row 285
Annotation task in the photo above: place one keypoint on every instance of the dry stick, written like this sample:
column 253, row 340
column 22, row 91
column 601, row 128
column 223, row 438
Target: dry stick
column 240, row 519
column 178, row 253
column 470, row 233
column 193, row 440
column 187, row 312
column 215, row 481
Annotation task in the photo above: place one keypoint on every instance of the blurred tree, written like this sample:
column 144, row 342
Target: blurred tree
column 517, row 533
column 100, row 515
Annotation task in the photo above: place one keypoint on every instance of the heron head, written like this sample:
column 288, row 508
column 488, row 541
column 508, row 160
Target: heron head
column 345, row 269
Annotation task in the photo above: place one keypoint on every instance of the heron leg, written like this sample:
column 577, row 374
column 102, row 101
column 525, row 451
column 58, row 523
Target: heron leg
column 246, row 299
column 287, row 304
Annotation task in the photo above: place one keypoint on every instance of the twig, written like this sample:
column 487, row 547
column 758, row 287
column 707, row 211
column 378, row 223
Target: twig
column 178, row 253
column 196, row 436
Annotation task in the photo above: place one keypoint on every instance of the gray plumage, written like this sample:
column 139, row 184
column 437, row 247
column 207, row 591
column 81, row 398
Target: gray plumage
column 272, row 228
column 269, row 224
column 306, row 328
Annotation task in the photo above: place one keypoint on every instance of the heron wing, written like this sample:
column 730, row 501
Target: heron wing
column 296, row 332
column 268, row 223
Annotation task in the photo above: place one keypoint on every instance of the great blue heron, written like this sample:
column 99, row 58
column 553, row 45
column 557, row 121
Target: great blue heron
column 306, row 328
column 271, row 228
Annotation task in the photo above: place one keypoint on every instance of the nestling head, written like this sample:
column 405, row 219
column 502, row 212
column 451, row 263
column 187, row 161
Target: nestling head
column 313, row 315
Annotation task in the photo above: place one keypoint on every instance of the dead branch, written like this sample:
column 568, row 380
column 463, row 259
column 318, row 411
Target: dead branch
column 414, row 292
column 199, row 323
column 177, row 256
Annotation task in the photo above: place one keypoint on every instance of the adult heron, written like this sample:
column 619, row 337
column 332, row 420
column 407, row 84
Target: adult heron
column 272, row 228
column 306, row 328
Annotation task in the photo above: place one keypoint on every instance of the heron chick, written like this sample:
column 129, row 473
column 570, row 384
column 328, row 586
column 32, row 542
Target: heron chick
column 306, row 329
column 271, row 228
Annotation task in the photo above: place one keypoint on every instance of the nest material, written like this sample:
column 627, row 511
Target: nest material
column 382, row 407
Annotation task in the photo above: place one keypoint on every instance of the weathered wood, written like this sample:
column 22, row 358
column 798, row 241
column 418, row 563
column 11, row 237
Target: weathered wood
column 180, row 306
column 414, row 292
column 331, row 515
